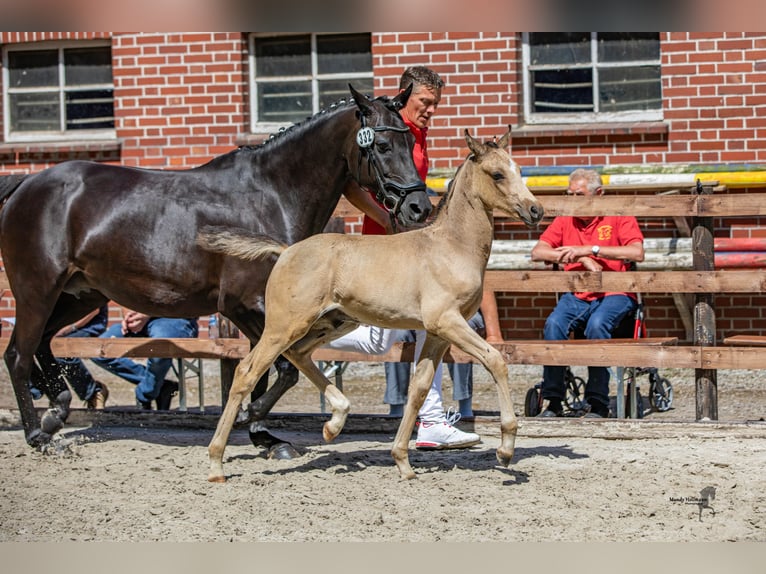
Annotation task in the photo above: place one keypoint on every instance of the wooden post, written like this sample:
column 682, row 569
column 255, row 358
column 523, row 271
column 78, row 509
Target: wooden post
column 703, row 259
column 227, row 329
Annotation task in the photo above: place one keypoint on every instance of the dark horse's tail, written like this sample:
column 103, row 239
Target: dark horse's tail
column 8, row 184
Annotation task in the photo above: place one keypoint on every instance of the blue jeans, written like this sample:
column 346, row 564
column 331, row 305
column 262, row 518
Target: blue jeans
column 74, row 369
column 148, row 378
column 598, row 318
column 398, row 374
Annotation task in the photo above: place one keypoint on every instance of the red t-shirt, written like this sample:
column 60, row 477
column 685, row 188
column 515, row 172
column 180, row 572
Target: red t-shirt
column 420, row 156
column 605, row 230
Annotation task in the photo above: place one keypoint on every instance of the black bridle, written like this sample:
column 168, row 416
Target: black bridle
column 388, row 193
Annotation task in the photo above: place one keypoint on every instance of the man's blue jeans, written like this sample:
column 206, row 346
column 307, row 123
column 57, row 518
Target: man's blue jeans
column 75, row 370
column 398, row 374
column 148, row 378
column 598, row 318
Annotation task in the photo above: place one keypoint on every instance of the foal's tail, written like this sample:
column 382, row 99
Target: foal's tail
column 239, row 243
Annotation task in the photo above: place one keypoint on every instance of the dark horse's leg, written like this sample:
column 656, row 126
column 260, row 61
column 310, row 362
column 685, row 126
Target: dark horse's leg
column 262, row 401
column 46, row 378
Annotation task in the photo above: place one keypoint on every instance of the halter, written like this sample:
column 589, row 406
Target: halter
column 365, row 137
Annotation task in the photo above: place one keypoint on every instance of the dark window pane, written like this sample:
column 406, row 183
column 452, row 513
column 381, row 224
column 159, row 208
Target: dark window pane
column 89, row 110
column 562, row 91
column 284, row 101
column 637, row 88
column 626, row 47
column 283, row 56
column 554, row 48
column 83, row 66
column 33, row 69
column 35, row 112
column 346, row 53
column 330, row 91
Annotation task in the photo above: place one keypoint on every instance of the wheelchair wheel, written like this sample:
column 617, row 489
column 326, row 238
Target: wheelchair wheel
column 660, row 394
column 639, row 401
column 575, row 397
column 532, row 402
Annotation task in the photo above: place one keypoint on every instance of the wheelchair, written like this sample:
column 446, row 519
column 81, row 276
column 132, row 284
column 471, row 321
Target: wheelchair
column 574, row 404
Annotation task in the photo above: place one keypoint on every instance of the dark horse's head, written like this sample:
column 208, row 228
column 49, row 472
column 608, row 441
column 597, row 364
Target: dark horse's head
column 385, row 146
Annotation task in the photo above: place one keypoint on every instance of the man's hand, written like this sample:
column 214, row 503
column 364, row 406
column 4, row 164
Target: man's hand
column 134, row 322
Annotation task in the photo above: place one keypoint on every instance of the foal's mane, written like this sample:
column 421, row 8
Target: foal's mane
column 450, row 187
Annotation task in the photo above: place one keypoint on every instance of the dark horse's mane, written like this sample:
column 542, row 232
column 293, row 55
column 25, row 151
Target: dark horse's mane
column 293, row 131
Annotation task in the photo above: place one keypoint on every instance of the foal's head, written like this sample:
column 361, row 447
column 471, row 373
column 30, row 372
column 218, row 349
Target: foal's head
column 497, row 180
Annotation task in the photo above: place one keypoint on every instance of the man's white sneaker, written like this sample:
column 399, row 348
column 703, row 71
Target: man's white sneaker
column 442, row 435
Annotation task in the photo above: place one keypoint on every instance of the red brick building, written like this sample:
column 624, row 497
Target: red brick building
column 645, row 106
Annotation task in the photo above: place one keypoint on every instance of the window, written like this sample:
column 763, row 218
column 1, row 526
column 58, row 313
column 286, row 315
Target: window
column 295, row 76
column 582, row 77
column 58, row 92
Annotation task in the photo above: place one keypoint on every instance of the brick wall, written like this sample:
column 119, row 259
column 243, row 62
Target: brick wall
column 181, row 99
column 714, row 91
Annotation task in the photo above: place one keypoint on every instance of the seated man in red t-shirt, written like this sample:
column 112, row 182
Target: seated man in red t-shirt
column 602, row 243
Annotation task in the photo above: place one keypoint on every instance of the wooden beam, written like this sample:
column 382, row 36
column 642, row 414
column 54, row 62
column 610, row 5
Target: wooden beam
column 86, row 347
column 713, row 205
column 726, row 281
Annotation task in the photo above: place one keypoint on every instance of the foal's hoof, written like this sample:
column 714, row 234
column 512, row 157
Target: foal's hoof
column 51, row 423
column 504, row 458
column 283, row 451
column 216, row 478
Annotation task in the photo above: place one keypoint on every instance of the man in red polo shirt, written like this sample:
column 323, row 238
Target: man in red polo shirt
column 603, row 243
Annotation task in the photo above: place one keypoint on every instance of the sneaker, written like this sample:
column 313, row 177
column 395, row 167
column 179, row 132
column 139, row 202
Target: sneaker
column 168, row 390
column 442, row 435
column 97, row 401
column 144, row 405
column 550, row 414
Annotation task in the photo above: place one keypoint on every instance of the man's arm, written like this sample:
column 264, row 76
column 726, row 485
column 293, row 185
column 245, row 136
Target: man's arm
column 542, row 251
column 491, row 319
column 363, row 201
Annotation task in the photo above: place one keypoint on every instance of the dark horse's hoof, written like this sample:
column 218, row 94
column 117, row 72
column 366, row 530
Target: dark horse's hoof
column 37, row 438
column 278, row 449
column 283, row 451
column 54, row 418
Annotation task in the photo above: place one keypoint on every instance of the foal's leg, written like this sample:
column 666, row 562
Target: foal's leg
column 249, row 370
column 433, row 351
column 339, row 404
column 456, row 330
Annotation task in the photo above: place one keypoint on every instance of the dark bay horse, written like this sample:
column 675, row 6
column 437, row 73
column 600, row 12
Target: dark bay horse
column 326, row 285
column 81, row 233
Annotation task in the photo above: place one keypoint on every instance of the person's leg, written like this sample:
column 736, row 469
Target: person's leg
column 569, row 314
column 606, row 314
column 150, row 387
column 398, row 380
column 366, row 339
column 462, row 375
column 122, row 367
column 75, row 371
column 435, row 431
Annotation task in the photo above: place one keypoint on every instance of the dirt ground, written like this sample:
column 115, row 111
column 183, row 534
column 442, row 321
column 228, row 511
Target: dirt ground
column 663, row 478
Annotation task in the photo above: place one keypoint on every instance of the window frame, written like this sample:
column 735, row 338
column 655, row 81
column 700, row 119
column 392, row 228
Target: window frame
column 543, row 118
column 56, row 136
column 314, row 77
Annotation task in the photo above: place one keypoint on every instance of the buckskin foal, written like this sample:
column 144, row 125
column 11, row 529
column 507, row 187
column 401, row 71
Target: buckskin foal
column 430, row 278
